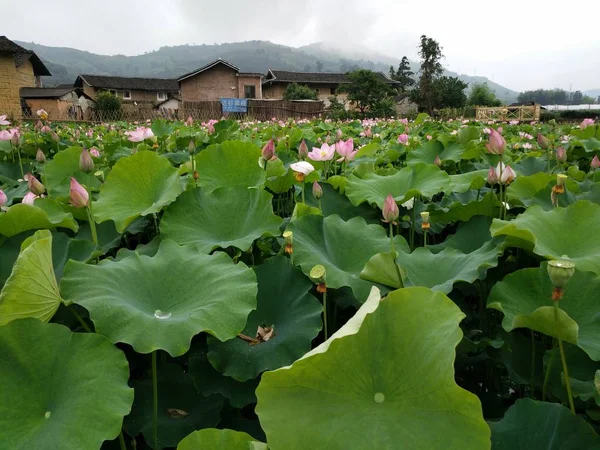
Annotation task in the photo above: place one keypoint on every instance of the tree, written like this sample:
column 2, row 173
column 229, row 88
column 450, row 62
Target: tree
column 450, row 92
column 482, row 95
column 576, row 98
column 367, row 91
column 403, row 75
column 295, row 91
column 431, row 69
column 108, row 105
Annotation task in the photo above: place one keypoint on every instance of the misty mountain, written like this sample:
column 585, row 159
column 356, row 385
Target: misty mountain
column 251, row 56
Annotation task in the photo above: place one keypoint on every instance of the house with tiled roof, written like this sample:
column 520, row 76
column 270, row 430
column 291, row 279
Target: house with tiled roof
column 19, row 68
column 129, row 89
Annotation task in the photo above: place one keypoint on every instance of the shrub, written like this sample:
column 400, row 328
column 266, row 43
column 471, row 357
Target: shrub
column 297, row 91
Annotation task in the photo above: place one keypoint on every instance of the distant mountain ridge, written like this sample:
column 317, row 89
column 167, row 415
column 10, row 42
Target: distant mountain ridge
column 251, row 56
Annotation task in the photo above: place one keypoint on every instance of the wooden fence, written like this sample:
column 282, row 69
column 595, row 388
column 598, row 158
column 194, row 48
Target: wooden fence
column 504, row 113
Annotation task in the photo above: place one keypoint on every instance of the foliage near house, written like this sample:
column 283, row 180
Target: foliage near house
column 108, row 103
column 482, row 95
column 296, row 91
column 369, row 93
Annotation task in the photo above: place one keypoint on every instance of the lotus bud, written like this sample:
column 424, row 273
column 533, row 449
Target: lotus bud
column 425, row 225
column 288, row 238
column 317, row 190
column 35, row 185
column 189, row 122
column 317, row 275
column 268, row 151
column 86, row 164
column 595, row 162
column 303, row 150
column 78, row 195
column 368, row 132
column 29, row 198
column 508, row 175
column 55, row 137
column 3, row 198
column 95, row 152
column 560, row 272
column 561, row 154
column 496, row 143
column 391, row 212
column 543, row 141
column 403, row 139
column 437, row 161
column 492, row 177
column 39, row 156
column 338, row 134
column 14, row 139
column 191, row 147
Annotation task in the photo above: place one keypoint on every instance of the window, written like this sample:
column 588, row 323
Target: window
column 249, row 91
column 127, row 95
column 161, row 96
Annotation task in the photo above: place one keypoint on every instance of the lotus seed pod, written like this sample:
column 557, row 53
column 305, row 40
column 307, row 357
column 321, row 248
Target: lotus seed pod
column 317, row 274
column 561, row 178
column 288, row 237
column 560, row 272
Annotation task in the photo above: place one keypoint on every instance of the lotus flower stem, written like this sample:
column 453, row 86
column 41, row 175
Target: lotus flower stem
column 122, row 441
column 563, row 359
column 84, row 325
column 155, row 219
column 425, row 238
column 154, row 400
column 392, row 246
column 501, row 202
column 20, row 162
column 548, row 370
column 303, row 196
column 326, row 334
column 412, row 225
column 532, row 365
column 90, row 215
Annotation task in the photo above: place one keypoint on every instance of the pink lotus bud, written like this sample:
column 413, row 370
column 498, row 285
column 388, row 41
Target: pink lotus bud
column 39, row 156
column 496, row 143
column 561, row 154
column 429, row 137
column 492, row 178
column 303, row 150
column 191, row 147
column 403, row 139
column 595, row 162
column 268, row 151
column 89, row 133
column 189, row 122
column 55, row 137
column 390, row 209
column 327, row 139
column 543, row 141
column 94, row 152
column 14, row 139
column 86, row 164
column 78, row 194
column 211, row 128
column 35, row 185
column 338, row 134
column 437, row 161
column 77, row 134
column 317, row 190
column 29, row 198
column 3, row 198
column 508, row 175
column 586, row 123
column 368, row 132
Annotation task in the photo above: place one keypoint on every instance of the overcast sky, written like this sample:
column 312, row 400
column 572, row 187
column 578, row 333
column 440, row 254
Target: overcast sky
column 521, row 44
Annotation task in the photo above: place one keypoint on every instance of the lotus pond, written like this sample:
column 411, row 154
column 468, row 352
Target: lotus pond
column 294, row 285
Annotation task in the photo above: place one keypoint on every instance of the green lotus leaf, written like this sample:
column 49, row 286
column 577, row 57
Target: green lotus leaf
column 530, row 165
column 467, row 134
column 283, row 303
column 65, row 249
column 220, row 218
column 230, row 164
column 181, row 409
column 525, row 298
column 31, row 290
column 393, row 363
column 60, row 390
column 420, row 179
column 45, row 213
column 342, row 247
column 212, row 439
column 59, row 170
column 531, row 189
column 334, row 203
column 469, row 237
column 530, row 425
column 440, row 271
column 553, row 234
column 137, row 185
column 462, row 207
column 428, row 152
column 10, row 249
column 108, row 236
column 470, row 180
column 382, row 269
column 163, row 301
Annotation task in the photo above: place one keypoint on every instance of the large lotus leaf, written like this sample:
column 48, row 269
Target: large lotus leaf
column 439, row 271
column 232, row 163
column 385, row 378
column 222, row 218
column 531, row 425
column 470, row 180
column 420, row 179
column 137, row 185
column 108, row 236
column 60, row 390
column 553, row 234
column 525, row 298
column 181, row 409
column 462, row 207
column 10, row 249
column 334, row 203
column 524, row 190
column 342, row 247
column 212, row 439
column 64, row 165
column 428, row 152
column 65, row 249
column 31, row 290
column 45, row 213
column 283, row 303
column 469, row 237
column 383, row 270
column 161, row 302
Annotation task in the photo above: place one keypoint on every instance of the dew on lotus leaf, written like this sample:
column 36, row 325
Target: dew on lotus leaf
column 379, row 397
column 161, row 314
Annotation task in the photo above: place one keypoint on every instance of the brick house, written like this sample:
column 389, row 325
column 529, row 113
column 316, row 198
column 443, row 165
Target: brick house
column 19, row 68
column 129, row 89
column 219, row 79
column 58, row 102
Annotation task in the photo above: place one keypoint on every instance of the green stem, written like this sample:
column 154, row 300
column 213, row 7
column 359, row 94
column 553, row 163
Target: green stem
column 194, row 170
column 548, row 371
column 303, row 189
column 91, row 221
column 532, row 365
column 122, row 441
column 392, row 240
column 563, row 359
column 20, row 162
column 84, row 325
column 325, row 315
column 154, row 400
column 320, row 206
column 501, row 202
column 412, row 225
column 155, row 219
column 425, row 238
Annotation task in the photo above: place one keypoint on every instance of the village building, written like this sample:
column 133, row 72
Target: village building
column 129, row 89
column 219, row 79
column 19, row 68
column 64, row 102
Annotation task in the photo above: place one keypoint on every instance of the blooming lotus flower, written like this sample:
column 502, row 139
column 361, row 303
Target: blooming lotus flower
column 3, row 120
column 595, row 162
column 403, row 139
column 46, row 129
column 561, row 154
column 586, row 123
column 86, row 164
column 390, row 210
column 514, row 122
column 5, row 135
column 42, row 114
column 39, row 156
column 527, row 146
column 35, row 185
column 317, row 190
column 492, row 178
column 496, row 143
column 325, row 153
column 140, row 134
column 3, row 197
column 404, row 121
column 346, row 150
column 505, row 173
column 29, row 198
column 303, row 150
column 543, row 141
column 302, row 169
column 78, row 195
column 189, row 121
column 268, row 151
column 429, row 137
column 408, row 204
column 368, row 132
column 95, row 152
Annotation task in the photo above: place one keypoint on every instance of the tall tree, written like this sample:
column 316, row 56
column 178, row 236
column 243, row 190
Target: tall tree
column 392, row 73
column 403, row 75
column 482, row 95
column 366, row 90
column 450, row 92
column 576, row 98
column 431, row 69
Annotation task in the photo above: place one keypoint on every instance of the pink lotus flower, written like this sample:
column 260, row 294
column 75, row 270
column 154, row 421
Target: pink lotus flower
column 140, row 134
column 505, row 173
column 189, row 122
column 3, row 120
column 496, row 143
column 595, row 162
column 94, row 152
column 5, row 135
column 514, row 122
column 29, row 198
column 527, row 146
column 303, row 167
column 42, row 114
column 46, row 129
column 390, row 210
column 3, row 197
column 90, row 133
column 325, row 153
column 78, row 195
column 338, row 134
column 492, row 178
column 486, row 130
column 586, row 123
column 346, row 150
column 403, row 139
column 561, row 154
column 368, row 133
column 404, row 121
